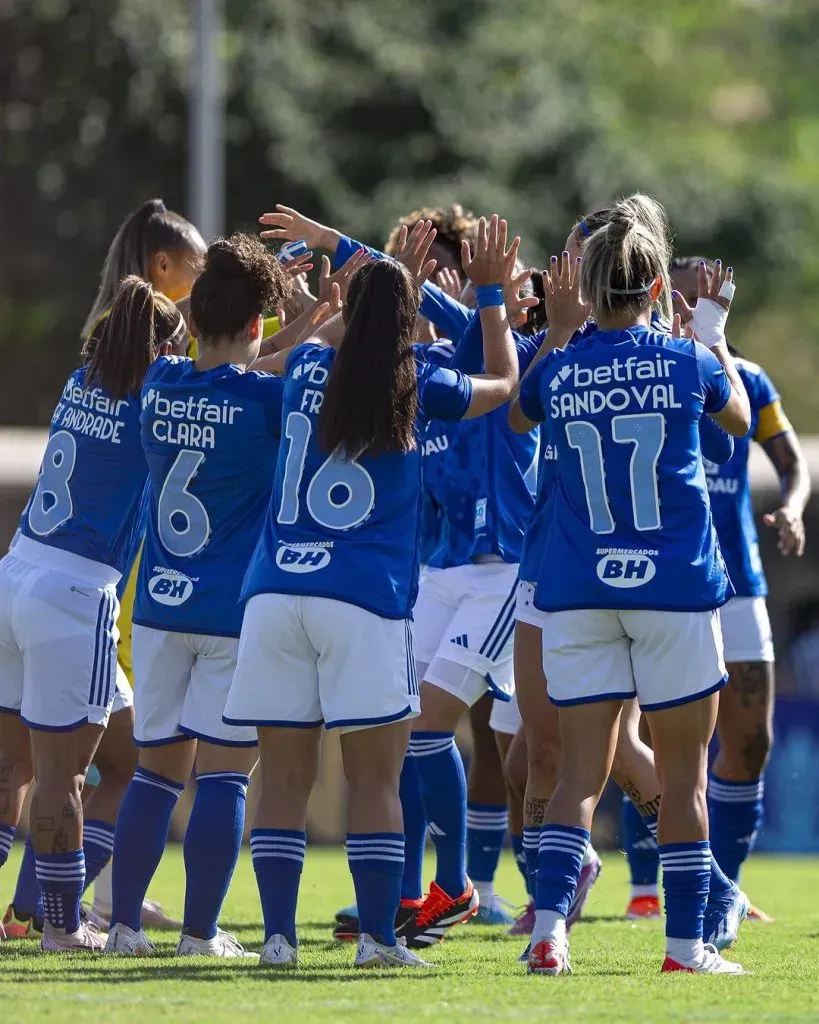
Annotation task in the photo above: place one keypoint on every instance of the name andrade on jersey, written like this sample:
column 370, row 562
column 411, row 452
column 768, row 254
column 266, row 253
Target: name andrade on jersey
column 89, row 411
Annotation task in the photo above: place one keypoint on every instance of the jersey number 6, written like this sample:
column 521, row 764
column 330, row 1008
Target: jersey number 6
column 182, row 520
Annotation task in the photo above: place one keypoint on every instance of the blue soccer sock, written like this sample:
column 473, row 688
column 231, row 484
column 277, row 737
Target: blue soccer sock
column 278, row 859
column 139, row 841
column 686, row 873
column 735, row 814
column 641, row 851
column 376, row 862
column 7, row 834
column 28, row 900
column 415, row 831
column 516, row 842
column 486, row 827
column 721, row 890
column 213, row 840
column 443, row 785
column 560, row 861
column 62, row 881
column 98, row 847
column 531, row 846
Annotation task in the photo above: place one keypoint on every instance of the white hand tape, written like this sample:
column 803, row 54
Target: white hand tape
column 708, row 322
column 727, row 290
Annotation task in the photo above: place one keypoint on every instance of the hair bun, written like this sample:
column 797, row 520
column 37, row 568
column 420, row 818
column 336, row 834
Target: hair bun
column 223, row 259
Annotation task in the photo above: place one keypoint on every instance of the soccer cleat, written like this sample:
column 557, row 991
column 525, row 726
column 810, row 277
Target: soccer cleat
column 438, row 914
column 549, row 958
column 16, row 927
column 525, row 923
column 494, row 912
column 278, row 952
column 755, row 914
column 348, row 930
column 153, row 916
column 86, row 937
column 126, row 942
column 524, row 956
column 347, row 914
column 90, row 914
column 711, row 963
column 644, row 908
column 371, row 953
column 588, row 876
column 223, row 945
column 721, row 928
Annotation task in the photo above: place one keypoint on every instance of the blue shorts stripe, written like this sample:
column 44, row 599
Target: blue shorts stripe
column 499, row 625
column 108, row 665
column 505, row 637
column 92, row 694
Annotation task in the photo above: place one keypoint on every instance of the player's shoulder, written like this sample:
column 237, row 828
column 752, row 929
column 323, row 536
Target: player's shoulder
column 306, row 357
column 168, row 368
column 761, row 389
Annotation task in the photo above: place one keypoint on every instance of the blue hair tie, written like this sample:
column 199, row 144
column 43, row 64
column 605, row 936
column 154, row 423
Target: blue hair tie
column 585, row 231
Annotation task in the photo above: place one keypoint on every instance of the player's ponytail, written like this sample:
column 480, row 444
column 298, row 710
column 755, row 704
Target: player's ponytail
column 141, row 322
column 150, row 229
column 371, row 398
column 623, row 258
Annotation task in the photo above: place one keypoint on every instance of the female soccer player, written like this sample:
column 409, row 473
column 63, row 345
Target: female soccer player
column 745, row 719
column 326, row 636
column 634, row 572
column 58, row 602
column 210, row 432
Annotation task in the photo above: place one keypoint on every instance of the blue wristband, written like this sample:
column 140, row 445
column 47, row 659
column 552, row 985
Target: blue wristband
column 489, row 295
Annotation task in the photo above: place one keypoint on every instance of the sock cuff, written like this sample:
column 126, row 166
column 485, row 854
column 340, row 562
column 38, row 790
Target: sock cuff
column 685, row 856
column 277, row 844
column 423, row 744
column 98, row 832
column 229, row 778
column 60, row 867
column 650, row 822
column 7, row 834
column 566, row 839
column 531, row 836
column 726, row 792
column 487, row 816
column 381, row 846
column 158, row 781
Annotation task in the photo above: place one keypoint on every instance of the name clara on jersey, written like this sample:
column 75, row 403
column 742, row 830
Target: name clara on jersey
column 190, row 421
column 637, row 381
column 89, row 411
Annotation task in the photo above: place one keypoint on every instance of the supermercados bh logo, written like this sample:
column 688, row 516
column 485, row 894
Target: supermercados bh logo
column 625, row 568
column 167, row 586
column 303, row 557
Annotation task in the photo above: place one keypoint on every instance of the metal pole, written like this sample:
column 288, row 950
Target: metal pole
column 206, row 145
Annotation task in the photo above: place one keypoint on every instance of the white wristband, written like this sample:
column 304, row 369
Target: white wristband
column 708, row 322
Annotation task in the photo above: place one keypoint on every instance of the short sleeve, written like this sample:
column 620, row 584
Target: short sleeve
column 765, row 392
column 300, row 353
column 716, row 388
column 444, row 394
column 717, row 445
column 530, row 398
column 439, row 353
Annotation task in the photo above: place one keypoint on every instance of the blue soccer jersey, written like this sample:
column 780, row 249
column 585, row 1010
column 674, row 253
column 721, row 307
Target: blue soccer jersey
column 348, row 530
column 211, row 439
column 730, row 489
column 92, row 476
column 629, row 516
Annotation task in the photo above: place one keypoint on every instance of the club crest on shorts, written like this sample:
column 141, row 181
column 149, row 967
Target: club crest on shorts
column 302, row 558
column 625, row 569
column 167, row 586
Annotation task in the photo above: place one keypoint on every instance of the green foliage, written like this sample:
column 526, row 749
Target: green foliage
column 363, row 110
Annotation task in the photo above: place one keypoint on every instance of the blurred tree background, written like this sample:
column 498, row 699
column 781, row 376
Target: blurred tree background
column 359, row 111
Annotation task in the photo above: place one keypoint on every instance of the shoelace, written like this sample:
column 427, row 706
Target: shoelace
column 434, row 904
column 230, row 942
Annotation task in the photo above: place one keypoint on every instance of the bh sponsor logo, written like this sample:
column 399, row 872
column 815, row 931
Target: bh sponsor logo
column 303, row 557
column 167, row 586
column 625, row 569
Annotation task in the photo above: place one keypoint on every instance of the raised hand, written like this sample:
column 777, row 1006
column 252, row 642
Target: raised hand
column 413, row 250
column 299, row 265
column 492, row 262
column 449, row 281
column 565, row 308
column 515, row 301
column 791, row 529
column 291, row 225
column 342, row 277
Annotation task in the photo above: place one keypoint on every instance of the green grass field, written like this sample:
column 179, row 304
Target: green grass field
column 477, row 978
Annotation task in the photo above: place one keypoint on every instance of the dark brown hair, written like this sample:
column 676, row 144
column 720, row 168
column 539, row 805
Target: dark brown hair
column 371, row 399
column 241, row 280
column 150, row 229
column 131, row 337
column 453, row 224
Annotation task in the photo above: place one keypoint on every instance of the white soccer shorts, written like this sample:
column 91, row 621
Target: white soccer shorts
column 525, row 610
column 58, row 637
column 464, row 620
column 662, row 658
column 181, row 684
column 505, row 716
column 123, row 694
column 304, row 661
column 746, row 630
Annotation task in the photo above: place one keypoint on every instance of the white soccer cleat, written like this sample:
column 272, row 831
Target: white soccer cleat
column 725, row 932
column 277, row 952
column 126, row 942
column 86, row 937
column 371, row 953
column 91, row 915
column 223, row 945
column 546, row 957
column 710, row 963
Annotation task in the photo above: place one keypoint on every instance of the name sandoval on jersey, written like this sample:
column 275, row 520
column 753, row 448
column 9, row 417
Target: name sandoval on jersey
column 574, row 391
column 190, row 421
column 89, row 411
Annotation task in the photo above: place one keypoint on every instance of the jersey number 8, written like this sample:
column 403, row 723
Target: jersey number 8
column 51, row 505
column 339, row 496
